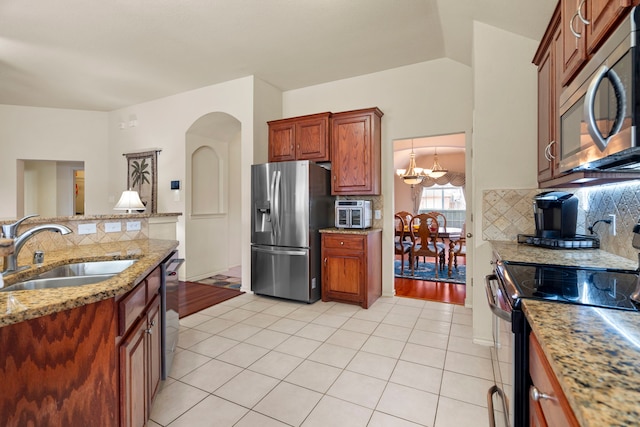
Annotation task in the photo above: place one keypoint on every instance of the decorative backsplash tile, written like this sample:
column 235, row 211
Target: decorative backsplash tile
column 506, row 213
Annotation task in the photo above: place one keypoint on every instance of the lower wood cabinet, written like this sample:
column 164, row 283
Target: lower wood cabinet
column 352, row 267
column 61, row 369
column 94, row 365
column 140, row 351
column 548, row 405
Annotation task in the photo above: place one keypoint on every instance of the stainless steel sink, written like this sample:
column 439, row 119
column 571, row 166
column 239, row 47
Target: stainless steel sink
column 76, row 274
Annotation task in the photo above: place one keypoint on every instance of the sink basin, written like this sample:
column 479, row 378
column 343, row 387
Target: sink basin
column 89, row 268
column 76, row 274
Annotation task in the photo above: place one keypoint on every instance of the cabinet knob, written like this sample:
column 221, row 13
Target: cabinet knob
column 325, row 262
column 341, row 243
column 537, row 395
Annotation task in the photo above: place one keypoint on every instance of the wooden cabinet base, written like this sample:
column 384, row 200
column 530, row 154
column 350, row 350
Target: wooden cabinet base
column 352, row 267
column 61, row 369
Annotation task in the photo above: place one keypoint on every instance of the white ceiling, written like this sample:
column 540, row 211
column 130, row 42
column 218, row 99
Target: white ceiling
column 104, row 55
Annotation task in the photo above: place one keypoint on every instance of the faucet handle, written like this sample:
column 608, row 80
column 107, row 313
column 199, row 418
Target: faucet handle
column 11, row 230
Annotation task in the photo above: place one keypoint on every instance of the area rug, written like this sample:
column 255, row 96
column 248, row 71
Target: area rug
column 426, row 271
column 223, row 281
column 194, row 297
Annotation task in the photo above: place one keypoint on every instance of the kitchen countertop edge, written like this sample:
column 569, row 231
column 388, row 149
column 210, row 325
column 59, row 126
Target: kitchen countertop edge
column 334, row 230
column 18, row 306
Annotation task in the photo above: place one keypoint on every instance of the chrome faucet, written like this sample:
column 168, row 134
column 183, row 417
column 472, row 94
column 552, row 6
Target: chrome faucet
column 10, row 231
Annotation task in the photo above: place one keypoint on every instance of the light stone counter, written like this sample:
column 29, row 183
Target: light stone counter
column 18, row 306
column 594, row 352
column 334, row 230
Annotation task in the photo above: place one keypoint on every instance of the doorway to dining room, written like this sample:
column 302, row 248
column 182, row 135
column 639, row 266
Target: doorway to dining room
column 430, row 178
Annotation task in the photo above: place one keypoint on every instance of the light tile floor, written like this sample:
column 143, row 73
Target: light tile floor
column 258, row 361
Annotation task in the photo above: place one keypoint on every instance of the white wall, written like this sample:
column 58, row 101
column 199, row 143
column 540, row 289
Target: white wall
column 53, row 134
column 504, row 136
column 163, row 124
column 429, row 98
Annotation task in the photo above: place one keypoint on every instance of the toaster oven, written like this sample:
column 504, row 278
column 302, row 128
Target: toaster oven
column 353, row 213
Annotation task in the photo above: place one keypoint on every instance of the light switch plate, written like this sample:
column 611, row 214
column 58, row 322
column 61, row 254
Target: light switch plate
column 112, row 227
column 86, row 229
column 133, row 225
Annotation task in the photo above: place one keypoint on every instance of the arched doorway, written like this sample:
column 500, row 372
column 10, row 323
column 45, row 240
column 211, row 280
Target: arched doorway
column 212, row 196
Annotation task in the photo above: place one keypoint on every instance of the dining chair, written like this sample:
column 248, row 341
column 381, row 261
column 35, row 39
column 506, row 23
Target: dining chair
column 406, row 216
column 442, row 221
column 424, row 230
column 402, row 246
column 457, row 248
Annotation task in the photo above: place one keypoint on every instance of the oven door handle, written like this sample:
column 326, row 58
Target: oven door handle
column 505, row 315
column 492, row 416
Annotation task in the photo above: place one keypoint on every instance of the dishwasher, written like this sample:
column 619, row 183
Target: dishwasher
column 169, row 303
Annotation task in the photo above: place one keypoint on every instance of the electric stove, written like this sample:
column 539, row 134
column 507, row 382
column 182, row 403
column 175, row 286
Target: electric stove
column 598, row 287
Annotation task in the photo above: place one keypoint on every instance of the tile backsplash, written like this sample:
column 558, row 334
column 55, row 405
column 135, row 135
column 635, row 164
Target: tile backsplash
column 506, row 213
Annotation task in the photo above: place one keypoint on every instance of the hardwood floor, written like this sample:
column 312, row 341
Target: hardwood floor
column 194, row 297
column 451, row 293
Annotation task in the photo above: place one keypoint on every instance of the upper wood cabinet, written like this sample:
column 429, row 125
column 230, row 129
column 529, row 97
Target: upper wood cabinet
column 585, row 25
column 547, row 58
column 355, row 152
column 300, row 138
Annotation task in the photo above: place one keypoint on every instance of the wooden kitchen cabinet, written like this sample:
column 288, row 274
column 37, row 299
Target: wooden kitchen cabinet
column 549, row 88
column 61, row 369
column 548, row 405
column 352, row 269
column 300, row 138
column 140, row 350
column 355, row 152
column 585, row 26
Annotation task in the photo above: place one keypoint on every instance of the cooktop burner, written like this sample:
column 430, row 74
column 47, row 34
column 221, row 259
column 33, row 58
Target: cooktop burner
column 597, row 287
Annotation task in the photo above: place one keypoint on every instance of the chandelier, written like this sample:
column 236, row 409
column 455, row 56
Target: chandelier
column 414, row 175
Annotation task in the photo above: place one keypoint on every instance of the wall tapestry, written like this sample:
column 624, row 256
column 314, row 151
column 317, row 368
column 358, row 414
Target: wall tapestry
column 142, row 177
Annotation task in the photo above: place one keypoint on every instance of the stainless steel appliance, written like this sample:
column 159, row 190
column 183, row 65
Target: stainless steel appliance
column 353, row 213
column 506, row 288
column 599, row 109
column 169, row 300
column 291, row 202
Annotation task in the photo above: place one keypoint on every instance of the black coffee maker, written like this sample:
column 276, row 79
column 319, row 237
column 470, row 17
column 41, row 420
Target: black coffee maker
column 555, row 214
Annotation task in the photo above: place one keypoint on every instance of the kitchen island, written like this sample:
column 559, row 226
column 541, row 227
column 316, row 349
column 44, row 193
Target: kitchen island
column 19, row 306
column 84, row 355
column 593, row 352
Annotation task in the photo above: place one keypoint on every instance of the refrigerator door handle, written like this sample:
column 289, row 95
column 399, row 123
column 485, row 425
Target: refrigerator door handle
column 276, row 204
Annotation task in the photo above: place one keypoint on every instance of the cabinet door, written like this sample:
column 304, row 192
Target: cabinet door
column 342, row 276
column 281, row 141
column 133, row 377
column 573, row 48
column 312, row 139
column 545, row 115
column 551, row 405
column 355, row 152
column 603, row 17
column 154, row 347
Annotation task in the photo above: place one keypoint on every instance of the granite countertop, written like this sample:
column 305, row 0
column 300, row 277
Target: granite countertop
column 18, row 306
column 594, row 352
column 350, row 230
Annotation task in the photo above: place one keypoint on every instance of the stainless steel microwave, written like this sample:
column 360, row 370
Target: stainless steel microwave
column 353, row 213
column 600, row 109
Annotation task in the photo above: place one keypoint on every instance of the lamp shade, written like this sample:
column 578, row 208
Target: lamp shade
column 128, row 201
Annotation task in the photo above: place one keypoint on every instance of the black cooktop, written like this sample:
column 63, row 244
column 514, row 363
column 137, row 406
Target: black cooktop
column 598, row 287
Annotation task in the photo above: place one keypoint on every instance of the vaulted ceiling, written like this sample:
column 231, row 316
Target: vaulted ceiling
column 104, row 55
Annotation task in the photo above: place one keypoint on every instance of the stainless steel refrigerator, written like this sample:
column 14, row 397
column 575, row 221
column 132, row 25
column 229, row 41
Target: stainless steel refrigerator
column 291, row 202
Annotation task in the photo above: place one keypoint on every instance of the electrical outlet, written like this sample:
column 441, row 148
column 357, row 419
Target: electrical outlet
column 87, row 229
column 133, row 225
column 112, row 227
column 378, row 214
column 612, row 226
